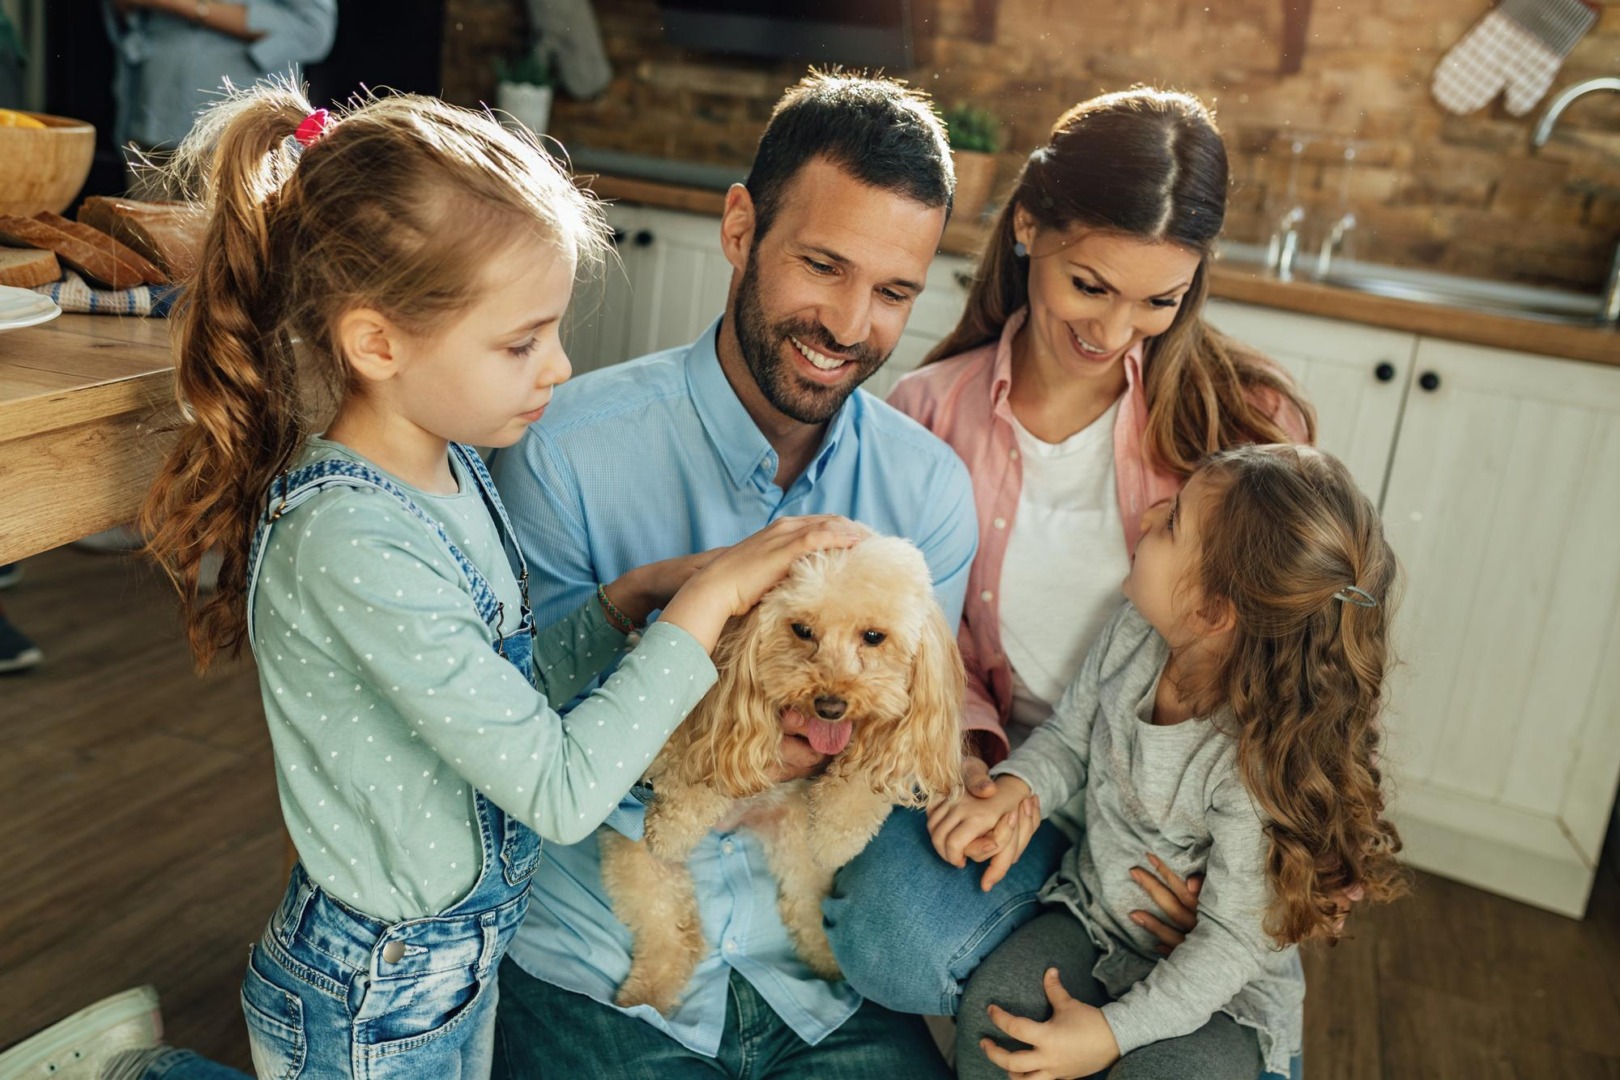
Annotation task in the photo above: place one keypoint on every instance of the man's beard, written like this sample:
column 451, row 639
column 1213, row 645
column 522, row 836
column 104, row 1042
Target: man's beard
column 761, row 344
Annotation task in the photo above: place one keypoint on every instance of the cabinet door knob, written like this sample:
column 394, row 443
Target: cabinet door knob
column 1429, row 381
column 964, row 279
column 618, row 237
column 644, row 238
column 1385, row 371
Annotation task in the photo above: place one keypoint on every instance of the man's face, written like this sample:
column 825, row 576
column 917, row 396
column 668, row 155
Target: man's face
column 827, row 290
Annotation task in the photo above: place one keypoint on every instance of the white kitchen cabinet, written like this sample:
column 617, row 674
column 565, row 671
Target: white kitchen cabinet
column 1356, row 376
column 666, row 284
column 1503, row 505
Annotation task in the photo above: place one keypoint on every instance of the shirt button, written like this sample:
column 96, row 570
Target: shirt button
column 1014, row 454
column 1000, row 523
column 987, row 596
column 728, row 847
column 731, row 947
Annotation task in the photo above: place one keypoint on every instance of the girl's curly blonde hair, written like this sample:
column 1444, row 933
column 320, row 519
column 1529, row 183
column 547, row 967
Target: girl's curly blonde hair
column 1288, row 533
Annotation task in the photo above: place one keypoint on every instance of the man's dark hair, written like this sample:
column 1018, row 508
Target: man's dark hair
column 878, row 130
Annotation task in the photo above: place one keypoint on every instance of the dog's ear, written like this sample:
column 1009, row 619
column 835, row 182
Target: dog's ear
column 937, row 689
column 732, row 739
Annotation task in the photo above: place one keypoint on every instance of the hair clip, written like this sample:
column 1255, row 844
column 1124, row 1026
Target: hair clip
column 1350, row 594
column 313, row 127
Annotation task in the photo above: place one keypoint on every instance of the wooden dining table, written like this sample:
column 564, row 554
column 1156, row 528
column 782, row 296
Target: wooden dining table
column 87, row 411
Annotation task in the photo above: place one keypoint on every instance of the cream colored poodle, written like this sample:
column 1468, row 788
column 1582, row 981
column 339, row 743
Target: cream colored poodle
column 850, row 653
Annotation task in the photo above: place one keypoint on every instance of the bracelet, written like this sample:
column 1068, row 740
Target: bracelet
column 623, row 623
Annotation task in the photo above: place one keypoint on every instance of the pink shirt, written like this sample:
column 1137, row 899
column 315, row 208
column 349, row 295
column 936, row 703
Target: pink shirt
column 963, row 400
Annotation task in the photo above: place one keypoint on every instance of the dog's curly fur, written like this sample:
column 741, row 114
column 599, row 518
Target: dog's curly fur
column 904, row 698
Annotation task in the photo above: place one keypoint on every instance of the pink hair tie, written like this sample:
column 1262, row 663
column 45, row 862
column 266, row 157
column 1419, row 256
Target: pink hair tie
column 313, row 127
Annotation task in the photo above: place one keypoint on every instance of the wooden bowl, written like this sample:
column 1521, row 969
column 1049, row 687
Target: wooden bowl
column 44, row 168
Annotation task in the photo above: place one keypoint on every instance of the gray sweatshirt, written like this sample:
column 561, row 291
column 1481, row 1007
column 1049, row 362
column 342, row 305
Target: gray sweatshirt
column 1175, row 791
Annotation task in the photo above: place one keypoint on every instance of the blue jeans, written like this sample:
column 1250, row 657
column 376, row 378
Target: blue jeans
column 544, row 1032
column 908, row 928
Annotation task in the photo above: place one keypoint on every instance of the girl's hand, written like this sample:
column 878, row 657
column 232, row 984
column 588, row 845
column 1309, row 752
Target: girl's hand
column 1077, row 1041
column 954, row 826
column 640, row 592
column 732, row 582
column 1177, row 901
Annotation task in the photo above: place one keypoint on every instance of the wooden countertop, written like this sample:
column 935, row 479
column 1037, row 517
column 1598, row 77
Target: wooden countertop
column 1232, row 283
column 86, row 413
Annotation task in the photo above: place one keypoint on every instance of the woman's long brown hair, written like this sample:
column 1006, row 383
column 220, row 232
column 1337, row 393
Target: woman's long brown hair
column 399, row 207
column 1148, row 164
column 1287, row 534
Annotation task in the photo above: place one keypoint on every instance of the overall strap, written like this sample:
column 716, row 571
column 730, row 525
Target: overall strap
column 486, row 487
column 291, row 489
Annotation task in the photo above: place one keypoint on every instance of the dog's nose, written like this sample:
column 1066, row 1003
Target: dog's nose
column 829, row 707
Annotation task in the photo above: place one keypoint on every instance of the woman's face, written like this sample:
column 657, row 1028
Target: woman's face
column 1093, row 296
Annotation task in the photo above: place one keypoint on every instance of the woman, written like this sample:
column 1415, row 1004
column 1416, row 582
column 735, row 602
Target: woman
column 1081, row 386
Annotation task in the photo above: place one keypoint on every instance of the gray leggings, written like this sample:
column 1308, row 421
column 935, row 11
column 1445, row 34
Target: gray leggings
column 1011, row 977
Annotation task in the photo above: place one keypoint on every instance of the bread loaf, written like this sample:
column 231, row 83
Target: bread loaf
column 90, row 251
column 168, row 233
column 24, row 268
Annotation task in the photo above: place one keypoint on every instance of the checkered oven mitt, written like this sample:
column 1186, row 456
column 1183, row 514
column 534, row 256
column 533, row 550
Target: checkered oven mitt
column 1518, row 46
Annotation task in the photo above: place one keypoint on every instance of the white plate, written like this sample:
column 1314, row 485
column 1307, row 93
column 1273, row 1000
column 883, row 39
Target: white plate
column 22, row 307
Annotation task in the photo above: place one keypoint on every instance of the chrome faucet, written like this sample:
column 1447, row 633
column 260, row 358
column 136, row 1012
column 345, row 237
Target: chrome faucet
column 1609, row 312
column 1285, row 244
column 1545, row 126
column 1332, row 242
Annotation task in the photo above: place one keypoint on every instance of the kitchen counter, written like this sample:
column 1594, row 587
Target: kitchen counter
column 86, row 413
column 1593, row 344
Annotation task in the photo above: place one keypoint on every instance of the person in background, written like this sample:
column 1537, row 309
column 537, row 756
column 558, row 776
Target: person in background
column 17, row 651
column 172, row 56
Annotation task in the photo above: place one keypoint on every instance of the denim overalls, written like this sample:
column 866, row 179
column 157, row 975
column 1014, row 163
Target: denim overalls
column 333, row 992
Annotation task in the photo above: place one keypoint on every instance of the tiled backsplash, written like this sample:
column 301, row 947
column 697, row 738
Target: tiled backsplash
column 1460, row 194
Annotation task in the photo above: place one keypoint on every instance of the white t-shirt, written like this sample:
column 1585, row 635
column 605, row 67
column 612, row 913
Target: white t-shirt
column 1066, row 561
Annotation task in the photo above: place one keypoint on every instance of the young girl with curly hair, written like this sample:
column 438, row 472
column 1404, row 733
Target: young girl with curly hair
column 1225, row 723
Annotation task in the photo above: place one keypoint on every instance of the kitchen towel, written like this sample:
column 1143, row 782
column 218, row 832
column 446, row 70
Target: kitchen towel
column 1518, row 47
column 72, row 294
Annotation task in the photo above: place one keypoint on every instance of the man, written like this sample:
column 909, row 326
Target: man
column 697, row 447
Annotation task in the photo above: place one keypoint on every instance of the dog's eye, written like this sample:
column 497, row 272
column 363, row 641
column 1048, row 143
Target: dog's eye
column 874, row 637
column 803, row 632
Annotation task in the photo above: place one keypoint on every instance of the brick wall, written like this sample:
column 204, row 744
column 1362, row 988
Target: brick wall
column 1461, row 194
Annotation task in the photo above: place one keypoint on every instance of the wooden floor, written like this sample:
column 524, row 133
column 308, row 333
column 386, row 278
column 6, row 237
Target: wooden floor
column 140, row 842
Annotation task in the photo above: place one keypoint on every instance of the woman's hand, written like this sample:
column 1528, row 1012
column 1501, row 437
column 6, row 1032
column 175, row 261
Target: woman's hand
column 733, row 581
column 1077, row 1041
column 1176, row 900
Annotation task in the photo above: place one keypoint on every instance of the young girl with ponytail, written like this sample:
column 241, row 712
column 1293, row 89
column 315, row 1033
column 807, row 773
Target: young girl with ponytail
column 1226, row 723
column 412, row 261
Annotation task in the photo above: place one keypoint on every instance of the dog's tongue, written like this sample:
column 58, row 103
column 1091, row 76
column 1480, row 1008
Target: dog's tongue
column 827, row 737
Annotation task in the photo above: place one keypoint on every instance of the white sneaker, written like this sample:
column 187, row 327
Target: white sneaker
column 76, row 1048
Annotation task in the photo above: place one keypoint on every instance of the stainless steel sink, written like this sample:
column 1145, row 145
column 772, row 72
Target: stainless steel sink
column 1495, row 298
column 1447, row 290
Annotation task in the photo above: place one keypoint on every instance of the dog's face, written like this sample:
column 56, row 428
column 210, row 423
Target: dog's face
column 848, row 658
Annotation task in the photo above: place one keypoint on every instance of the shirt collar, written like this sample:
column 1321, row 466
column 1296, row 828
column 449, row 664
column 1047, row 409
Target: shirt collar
column 743, row 447
column 1001, row 371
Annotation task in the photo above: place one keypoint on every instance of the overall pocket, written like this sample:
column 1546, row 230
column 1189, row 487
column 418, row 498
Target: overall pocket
column 410, row 1012
column 275, row 1022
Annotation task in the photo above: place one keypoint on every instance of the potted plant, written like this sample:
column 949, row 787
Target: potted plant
column 523, row 89
column 975, row 136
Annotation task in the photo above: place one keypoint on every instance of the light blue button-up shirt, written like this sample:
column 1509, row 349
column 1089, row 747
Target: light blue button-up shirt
column 657, row 458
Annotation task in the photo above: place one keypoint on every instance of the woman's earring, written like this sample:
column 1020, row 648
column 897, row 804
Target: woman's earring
column 1019, row 249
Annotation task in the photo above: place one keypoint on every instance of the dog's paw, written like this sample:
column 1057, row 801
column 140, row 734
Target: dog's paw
column 640, row 991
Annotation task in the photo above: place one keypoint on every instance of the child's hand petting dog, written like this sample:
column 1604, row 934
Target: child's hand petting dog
column 1077, row 1041
column 1007, row 819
